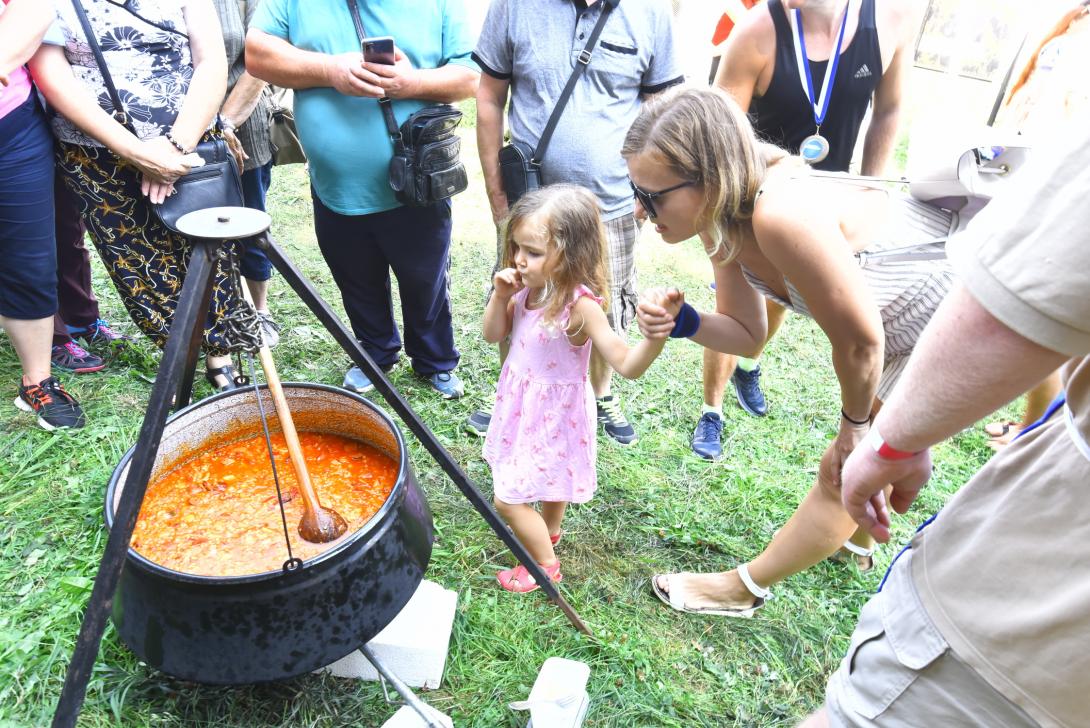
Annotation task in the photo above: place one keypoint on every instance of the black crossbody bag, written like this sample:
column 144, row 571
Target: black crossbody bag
column 216, row 184
column 426, row 166
column 520, row 163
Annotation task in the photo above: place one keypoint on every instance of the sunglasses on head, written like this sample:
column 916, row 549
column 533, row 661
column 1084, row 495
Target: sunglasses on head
column 647, row 199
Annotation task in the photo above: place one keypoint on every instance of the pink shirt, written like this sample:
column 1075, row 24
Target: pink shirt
column 16, row 92
column 18, row 88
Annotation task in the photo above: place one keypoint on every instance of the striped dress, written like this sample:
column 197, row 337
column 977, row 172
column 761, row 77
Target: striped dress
column 907, row 291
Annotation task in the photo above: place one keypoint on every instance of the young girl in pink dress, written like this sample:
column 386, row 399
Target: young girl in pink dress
column 541, row 442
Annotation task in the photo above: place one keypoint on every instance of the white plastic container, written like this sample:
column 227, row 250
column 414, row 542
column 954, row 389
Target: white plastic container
column 559, row 697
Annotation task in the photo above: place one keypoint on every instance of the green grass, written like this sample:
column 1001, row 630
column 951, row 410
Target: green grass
column 659, row 508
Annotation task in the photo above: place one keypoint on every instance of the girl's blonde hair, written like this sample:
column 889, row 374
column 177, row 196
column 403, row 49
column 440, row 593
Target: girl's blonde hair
column 704, row 137
column 570, row 222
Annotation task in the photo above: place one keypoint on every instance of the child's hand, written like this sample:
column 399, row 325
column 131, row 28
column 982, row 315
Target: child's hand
column 507, row 283
column 657, row 310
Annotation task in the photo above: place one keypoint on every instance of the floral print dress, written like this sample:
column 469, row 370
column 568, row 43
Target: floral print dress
column 542, row 443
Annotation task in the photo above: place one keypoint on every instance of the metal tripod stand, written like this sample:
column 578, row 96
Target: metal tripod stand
column 174, row 382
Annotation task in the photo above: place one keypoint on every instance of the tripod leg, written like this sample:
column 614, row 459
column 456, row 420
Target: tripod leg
column 188, row 323
column 193, row 350
column 348, row 342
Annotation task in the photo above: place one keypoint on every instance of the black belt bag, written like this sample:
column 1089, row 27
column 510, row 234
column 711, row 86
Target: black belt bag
column 520, row 164
column 426, row 166
column 519, row 173
column 216, row 184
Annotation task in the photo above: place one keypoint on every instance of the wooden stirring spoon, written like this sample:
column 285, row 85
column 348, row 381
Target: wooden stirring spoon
column 318, row 524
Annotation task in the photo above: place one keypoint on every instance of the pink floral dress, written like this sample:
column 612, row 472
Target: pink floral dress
column 542, row 442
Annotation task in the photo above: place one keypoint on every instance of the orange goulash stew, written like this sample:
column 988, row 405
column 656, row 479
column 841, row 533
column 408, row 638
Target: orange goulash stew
column 217, row 514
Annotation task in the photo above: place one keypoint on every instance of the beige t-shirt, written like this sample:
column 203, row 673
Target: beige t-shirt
column 1004, row 570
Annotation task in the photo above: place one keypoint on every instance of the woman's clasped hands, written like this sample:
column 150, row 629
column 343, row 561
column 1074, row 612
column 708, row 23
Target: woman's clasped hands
column 160, row 164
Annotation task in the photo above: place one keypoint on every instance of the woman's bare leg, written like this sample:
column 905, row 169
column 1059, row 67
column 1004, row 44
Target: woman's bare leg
column 32, row 340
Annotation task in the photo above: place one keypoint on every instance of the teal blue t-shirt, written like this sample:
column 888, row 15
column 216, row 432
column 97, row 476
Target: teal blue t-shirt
column 345, row 137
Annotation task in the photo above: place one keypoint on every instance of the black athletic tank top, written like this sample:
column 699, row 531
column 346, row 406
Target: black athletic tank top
column 784, row 115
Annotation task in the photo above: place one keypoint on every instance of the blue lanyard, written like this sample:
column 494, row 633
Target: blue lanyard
column 820, row 105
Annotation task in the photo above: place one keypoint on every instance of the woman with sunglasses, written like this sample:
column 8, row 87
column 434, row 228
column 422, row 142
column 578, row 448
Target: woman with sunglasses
column 813, row 243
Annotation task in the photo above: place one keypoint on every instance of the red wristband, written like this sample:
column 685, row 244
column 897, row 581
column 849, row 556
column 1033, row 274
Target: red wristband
column 884, row 449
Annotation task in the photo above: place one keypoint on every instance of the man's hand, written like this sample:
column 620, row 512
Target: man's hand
column 399, row 81
column 498, row 202
column 345, row 73
column 864, row 478
column 656, row 311
column 507, row 283
column 235, row 146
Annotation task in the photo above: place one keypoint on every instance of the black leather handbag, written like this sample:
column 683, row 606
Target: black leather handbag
column 519, row 172
column 426, row 166
column 216, row 184
column 520, row 163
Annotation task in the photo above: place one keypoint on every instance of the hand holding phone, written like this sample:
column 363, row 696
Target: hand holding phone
column 378, row 50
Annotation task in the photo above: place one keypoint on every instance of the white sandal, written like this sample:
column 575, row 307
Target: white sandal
column 674, row 599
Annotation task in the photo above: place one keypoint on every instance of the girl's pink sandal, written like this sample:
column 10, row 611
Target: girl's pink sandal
column 555, row 537
column 518, row 579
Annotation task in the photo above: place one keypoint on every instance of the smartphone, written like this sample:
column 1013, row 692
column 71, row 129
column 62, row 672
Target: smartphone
column 379, row 50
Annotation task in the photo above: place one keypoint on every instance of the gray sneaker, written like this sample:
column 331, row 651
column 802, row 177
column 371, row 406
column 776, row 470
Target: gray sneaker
column 447, row 384
column 478, row 422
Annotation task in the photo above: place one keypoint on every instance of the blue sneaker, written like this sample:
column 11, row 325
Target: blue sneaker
column 747, row 386
column 707, row 438
column 447, row 384
column 356, row 381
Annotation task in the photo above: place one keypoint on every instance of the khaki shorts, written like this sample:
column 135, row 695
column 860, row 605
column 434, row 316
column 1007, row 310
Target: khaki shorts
column 621, row 235
column 900, row 672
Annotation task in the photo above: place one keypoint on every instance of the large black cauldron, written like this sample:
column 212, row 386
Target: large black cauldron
column 276, row 625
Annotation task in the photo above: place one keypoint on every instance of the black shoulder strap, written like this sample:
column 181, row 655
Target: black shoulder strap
column 384, row 103
column 580, row 65
column 119, row 111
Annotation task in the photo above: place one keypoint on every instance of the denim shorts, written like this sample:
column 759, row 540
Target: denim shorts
column 28, row 246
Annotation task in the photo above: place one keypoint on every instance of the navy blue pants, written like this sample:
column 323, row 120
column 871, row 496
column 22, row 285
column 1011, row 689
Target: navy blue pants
column 414, row 242
column 254, row 264
column 28, row 246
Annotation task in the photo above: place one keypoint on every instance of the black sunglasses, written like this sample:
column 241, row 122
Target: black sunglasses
column 647, row 199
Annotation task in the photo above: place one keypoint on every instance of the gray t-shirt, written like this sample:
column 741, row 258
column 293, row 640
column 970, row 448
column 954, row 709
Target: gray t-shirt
column 534, row 45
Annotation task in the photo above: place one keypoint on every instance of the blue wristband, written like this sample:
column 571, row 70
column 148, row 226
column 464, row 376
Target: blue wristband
column 686, row 323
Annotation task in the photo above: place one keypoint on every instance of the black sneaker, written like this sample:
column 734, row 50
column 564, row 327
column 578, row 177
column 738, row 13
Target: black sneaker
column 478, row 422
column 747, row 386
column 707, row 438
column 613, row 420
column 74, row 358
column 54, row 407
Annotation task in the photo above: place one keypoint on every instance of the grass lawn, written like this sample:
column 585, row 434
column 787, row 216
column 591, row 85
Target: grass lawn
column 658, row 508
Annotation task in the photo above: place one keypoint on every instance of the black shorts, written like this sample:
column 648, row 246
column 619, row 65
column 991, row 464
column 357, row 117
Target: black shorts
column 28, row 247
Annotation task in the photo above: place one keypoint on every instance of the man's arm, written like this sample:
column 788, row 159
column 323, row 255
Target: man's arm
column 746, row 54
column 885, row 116
column 984, row 364
column 886, row 112
column 277, row 61
column 22, row 26
column 491, row 99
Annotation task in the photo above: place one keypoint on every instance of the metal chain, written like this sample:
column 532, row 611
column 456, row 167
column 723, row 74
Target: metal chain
column 241, row 325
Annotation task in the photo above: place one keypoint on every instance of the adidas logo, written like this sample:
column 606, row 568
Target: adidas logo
column 863, row 72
